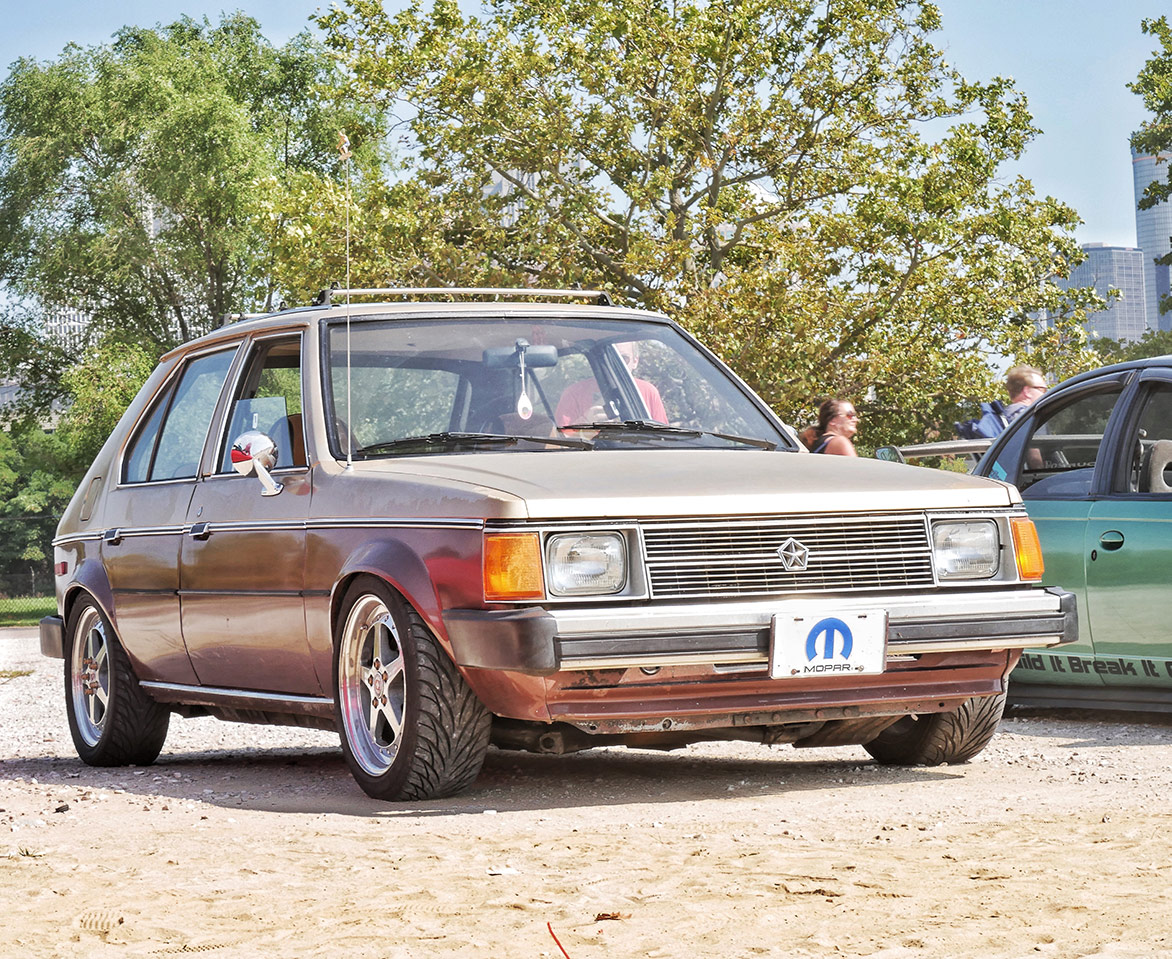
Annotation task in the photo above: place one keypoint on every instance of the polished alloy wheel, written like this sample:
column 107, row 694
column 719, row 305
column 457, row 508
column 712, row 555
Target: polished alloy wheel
column 371, row 684
column 90, row 687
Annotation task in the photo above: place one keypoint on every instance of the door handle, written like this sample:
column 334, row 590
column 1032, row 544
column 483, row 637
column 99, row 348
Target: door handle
column 201, row 530
column 112, row 537
column 1111, row 540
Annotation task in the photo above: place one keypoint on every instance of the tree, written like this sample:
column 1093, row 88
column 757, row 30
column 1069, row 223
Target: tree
column 101, row 386
column 805, row 184
column 137, row 179
column 1152, row 343
column 33, row 494
column 1154, row 137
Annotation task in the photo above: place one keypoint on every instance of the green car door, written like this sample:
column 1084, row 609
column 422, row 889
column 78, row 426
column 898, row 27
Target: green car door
column 1129, row 548
column 1054, row 459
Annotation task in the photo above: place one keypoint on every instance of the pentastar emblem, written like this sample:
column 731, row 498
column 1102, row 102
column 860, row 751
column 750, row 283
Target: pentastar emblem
column 794, row 555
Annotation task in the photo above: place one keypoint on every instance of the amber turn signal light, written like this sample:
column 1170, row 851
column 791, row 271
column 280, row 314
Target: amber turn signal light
column 512, row 566
column 1026, row 548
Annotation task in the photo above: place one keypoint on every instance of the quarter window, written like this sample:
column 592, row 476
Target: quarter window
column 138, row 463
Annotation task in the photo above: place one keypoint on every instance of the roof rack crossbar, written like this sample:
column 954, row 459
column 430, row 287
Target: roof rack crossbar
column 328, row 297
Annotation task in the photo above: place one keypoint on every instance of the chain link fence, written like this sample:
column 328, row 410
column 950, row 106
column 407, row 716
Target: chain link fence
column 26, row 569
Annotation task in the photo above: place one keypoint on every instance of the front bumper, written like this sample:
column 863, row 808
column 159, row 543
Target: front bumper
column 542, row 642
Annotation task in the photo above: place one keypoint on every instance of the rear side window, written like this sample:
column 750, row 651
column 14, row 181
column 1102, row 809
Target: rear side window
column 171, row 441
column 1150, row 445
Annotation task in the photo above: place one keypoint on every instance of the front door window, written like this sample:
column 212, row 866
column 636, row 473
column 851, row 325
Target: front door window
column 1063, row 445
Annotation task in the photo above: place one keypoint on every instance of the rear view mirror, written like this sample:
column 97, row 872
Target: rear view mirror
column 497, row 357
column 521, row 357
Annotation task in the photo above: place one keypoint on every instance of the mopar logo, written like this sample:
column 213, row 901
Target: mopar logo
column 829, row 631
column 794, row 555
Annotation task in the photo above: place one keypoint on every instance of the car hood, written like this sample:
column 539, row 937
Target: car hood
column 683, row 482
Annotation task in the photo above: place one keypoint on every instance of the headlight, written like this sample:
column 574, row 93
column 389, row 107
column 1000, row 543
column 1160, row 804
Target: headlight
column 966, row 549
column 578, row 564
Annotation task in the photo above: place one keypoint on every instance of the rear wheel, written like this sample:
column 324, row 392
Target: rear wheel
column 112, row 721
column 411, row 728
column 937, row 738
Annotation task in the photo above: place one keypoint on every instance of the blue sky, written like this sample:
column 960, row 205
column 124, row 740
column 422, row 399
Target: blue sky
column 1072, row 58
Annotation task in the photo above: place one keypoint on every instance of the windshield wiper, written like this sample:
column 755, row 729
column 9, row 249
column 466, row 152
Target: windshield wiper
column 454, row 440
column 649, row 426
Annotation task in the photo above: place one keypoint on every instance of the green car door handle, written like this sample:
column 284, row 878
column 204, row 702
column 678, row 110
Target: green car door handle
column 1112, row 539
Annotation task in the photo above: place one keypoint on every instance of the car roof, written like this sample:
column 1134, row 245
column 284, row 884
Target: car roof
column 1145, row 363
column 305, row 316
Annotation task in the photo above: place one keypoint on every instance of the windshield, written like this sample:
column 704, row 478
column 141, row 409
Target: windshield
column 461, row 385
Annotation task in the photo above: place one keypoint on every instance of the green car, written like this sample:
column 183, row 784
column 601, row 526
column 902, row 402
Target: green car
column 1092, row 461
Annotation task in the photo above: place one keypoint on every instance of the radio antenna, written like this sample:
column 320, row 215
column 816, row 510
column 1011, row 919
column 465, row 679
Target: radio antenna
column 344, row 150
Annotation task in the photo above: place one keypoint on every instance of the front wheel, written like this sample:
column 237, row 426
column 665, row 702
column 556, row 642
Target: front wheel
column 938, row 738
column 411, row 728
column 112, row 721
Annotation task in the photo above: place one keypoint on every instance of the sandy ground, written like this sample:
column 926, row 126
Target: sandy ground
column 254, row 841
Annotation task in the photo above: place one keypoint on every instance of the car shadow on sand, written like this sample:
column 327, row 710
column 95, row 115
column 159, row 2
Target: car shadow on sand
column 316, row 780
column 1087, row 728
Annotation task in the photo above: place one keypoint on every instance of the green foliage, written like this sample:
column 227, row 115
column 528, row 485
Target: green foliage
column 34, row 489
column 809, row 187
column 1154, row 85
column 100, row 388
column 137, row 179
column 1152, row 343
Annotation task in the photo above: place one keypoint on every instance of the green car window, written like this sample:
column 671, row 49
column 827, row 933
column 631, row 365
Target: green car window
column 1061, row 449
column 1150, row 465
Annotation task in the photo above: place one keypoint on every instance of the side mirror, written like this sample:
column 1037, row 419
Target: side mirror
column 256, row 452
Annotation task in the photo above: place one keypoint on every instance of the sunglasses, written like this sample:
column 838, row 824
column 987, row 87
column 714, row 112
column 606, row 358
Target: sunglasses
column 852, row 415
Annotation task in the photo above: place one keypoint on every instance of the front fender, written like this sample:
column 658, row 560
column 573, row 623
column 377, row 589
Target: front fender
column 400, row 565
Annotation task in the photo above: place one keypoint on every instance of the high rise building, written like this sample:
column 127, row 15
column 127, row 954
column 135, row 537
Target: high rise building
column 1108, row 268
column 1153, row 232
column 66, row 325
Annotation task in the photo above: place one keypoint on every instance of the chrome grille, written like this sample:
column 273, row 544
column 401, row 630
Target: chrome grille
column 740, row 557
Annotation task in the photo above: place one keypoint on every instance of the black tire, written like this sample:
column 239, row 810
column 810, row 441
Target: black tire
column 112, row 720
column 937, row 738
column 411, row 728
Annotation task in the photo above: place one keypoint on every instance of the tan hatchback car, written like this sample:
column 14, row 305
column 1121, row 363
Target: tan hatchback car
column 440, row 526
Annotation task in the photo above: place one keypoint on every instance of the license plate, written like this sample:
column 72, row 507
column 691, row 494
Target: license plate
column 827, row 643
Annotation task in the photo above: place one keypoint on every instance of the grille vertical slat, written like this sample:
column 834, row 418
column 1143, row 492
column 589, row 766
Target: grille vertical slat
column 740, row 557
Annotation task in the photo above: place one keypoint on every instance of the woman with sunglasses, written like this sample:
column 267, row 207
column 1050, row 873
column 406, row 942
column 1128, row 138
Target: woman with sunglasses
column 838, row 421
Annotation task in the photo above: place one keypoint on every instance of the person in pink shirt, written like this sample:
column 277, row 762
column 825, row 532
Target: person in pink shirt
column 582, row 401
